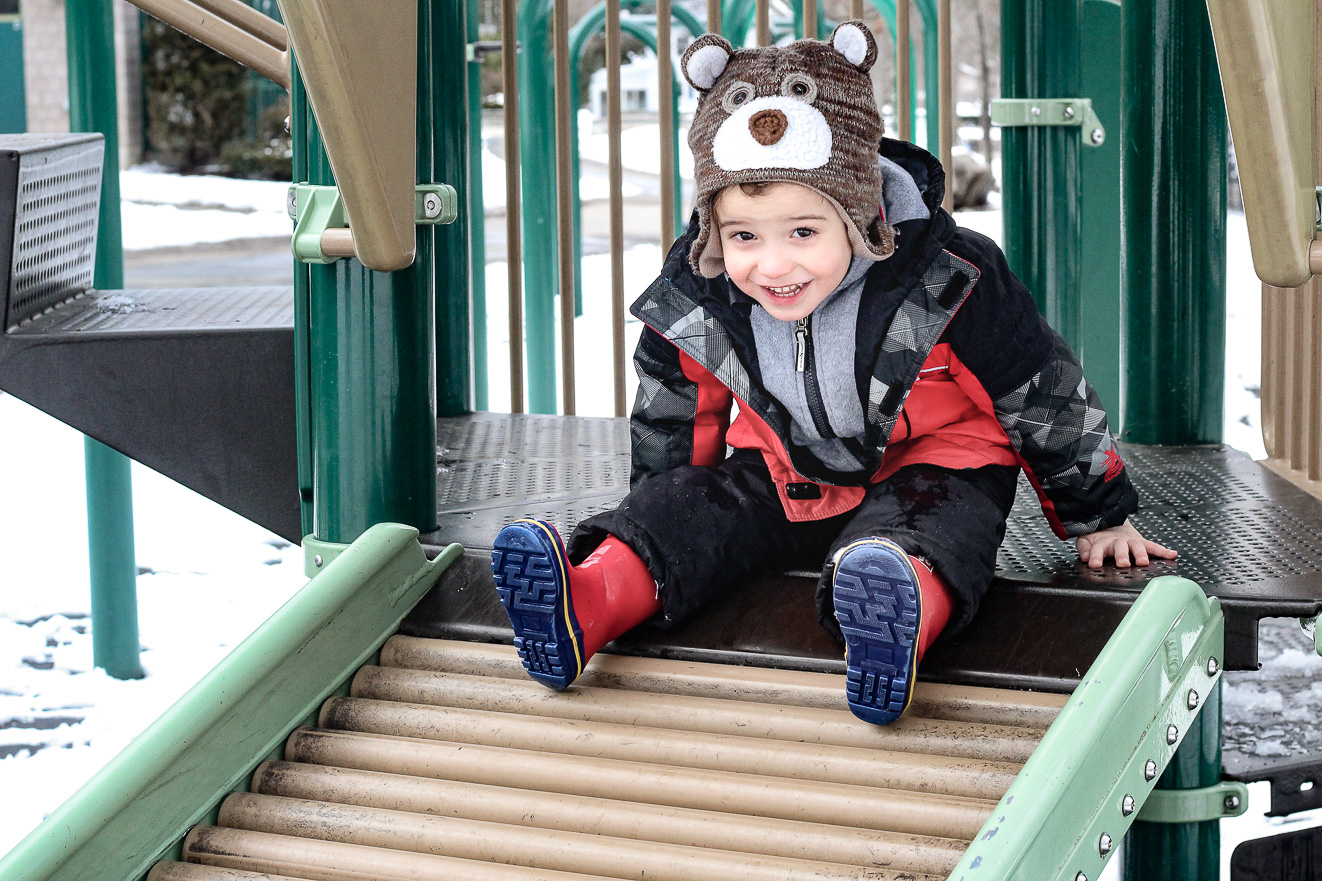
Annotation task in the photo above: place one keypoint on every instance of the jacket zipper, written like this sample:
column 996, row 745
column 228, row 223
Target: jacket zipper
column 805, row 364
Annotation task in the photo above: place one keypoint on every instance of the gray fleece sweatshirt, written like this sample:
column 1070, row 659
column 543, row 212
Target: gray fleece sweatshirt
column 834, row 332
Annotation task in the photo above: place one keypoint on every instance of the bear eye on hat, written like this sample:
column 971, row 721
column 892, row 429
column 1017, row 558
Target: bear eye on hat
column 802, row 113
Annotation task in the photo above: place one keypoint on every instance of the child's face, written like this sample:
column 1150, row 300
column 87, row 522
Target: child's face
column 786, row 248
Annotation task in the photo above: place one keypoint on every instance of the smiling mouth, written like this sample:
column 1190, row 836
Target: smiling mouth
column 786, row 291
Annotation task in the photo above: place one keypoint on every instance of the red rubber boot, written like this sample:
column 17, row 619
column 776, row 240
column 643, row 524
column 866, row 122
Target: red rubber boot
column 562, row 614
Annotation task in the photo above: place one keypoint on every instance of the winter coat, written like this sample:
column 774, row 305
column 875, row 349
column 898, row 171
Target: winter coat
column 945, row 300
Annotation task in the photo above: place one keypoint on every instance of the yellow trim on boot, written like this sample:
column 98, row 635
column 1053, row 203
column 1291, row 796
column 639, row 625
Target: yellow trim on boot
column 561, row 559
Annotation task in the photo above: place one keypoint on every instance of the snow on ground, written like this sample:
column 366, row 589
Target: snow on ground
column 208, row 576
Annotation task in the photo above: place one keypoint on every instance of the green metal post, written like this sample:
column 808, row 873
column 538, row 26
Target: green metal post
column 371, row 373
column 1040, row 164
column 1098, row 345
column 541, row 280
column 1174, row 207
column 477, row 241
column 450, row 121
column 1182, row 851
column 13, row 107
column 306, row 142
column 93, row 107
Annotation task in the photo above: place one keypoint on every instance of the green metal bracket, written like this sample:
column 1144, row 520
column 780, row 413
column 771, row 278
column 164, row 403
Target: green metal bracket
column 318, row 554
column 1050, row 111
column 1225, row 799
column 316, row 209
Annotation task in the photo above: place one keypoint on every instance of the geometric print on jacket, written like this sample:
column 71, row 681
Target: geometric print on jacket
column 1056, row 420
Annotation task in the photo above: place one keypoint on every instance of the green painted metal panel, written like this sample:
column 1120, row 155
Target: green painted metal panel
column 1098, row 344
column 450, row 121
column 1067, row 808
column 371, row 393
column 175, row 773
column 1040, row 165
column 13, row 84
column 1174, row 147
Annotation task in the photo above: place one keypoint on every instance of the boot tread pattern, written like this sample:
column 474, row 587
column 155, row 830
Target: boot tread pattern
column 878, row 606
column 528, row 584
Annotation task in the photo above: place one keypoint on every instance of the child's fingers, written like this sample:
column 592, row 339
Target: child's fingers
column 1161, row 551
column 1141, row 554
column 1121, row 552
column 1097, row 555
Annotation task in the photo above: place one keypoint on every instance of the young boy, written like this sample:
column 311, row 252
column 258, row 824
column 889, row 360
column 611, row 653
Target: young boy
column 891, row 378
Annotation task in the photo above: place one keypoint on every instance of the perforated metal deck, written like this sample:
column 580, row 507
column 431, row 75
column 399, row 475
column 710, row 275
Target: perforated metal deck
column 1246, row 535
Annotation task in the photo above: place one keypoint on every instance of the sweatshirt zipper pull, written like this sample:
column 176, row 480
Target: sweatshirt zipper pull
column 801, row 344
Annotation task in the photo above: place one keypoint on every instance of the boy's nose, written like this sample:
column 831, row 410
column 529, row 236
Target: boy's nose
column 773, row 264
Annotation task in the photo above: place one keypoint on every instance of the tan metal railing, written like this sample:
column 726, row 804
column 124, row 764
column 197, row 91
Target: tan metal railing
column 1278, row 143
column 566, row 129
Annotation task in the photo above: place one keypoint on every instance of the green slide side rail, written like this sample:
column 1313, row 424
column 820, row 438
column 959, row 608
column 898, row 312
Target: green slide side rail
column 176, row 772
column 1082, row 788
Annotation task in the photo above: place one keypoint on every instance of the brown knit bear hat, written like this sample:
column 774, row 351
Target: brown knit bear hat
column 802, row 113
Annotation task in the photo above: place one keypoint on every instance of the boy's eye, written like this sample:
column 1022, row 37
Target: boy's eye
column 804, row 232
column 737, row 95
column 742, row 236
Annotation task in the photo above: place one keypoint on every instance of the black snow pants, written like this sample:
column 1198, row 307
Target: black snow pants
column 702, row 530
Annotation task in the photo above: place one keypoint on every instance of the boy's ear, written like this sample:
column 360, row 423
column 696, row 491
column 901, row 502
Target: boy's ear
column 854, row 41
column 705, row 59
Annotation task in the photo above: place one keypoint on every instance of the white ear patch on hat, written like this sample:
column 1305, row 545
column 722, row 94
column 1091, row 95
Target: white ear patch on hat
column 854, row 41
column 705, row 61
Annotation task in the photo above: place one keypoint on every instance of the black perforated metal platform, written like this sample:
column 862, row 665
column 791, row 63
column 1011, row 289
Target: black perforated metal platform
column 1246, row 535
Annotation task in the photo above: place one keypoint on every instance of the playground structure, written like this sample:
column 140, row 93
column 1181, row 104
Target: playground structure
column 382, row 339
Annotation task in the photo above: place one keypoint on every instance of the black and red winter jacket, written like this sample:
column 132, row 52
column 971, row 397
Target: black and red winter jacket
column 944, row 304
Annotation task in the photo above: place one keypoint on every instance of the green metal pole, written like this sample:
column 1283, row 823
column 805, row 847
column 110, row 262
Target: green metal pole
column 1182, row 851
column 1040, row 164
column 1098, row 345
column 450, row 120
column 477, row 242
column 537, row 166
column 306, row 141
column 93, row 107
column 1174, row 208
column 372, row 374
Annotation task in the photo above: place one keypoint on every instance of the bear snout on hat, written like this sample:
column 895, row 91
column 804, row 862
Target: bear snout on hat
column 766, row 126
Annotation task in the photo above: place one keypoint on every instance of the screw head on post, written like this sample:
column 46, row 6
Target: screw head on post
column 1069, row 111
column 316, row 561
column 1232, row 802
column 1212, row 667
column 1172, row 734
column 1104, row 844
column 1097, row 136
column 1080, row 877
column 1149, row 770
column 1127, row 806
column 431, row 205
column 1193, row 699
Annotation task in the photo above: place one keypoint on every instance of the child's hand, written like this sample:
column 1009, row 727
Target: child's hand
column 1119, row 542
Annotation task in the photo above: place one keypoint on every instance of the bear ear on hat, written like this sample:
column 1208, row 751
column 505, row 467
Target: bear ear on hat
column 704, row 60
column 854, row 41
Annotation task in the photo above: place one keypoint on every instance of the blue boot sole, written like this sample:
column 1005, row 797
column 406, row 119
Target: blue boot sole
column 878, row 605
column 532, row 579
